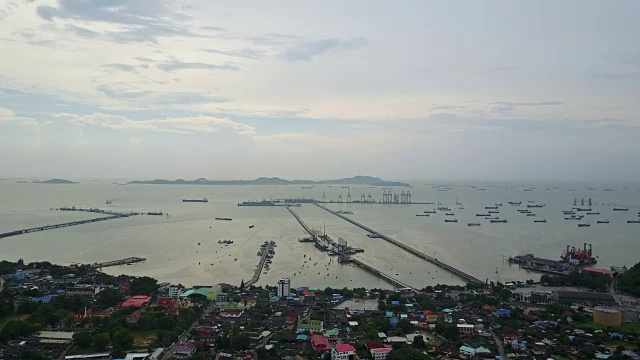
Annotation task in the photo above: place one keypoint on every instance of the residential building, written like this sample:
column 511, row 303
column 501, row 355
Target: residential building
column 466, row 329
column 221, row 297
column 343, row 352
column 185, row 350
column 467, row 351
column 320, row 343
column 380, row 353
column 83, row 290
column 174, row 291
column 137, row 301
column 284, row 286
column 313, row 326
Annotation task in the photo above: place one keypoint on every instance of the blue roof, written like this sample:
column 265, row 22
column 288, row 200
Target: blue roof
column 503, row 312
column 393, row 321
column 360, row 311
column 395, row 302
column 302, row 337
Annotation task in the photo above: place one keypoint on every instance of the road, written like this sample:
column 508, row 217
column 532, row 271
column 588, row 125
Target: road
column 500, row 346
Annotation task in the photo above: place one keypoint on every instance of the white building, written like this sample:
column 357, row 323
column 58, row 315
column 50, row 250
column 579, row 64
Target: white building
column 284, row 286
column 380, row 353
column 343, row 352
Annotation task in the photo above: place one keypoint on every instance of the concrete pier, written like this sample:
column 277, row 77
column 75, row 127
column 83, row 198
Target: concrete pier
column 126, row 261
column 57, row 226
column 263, row 259
column 467, row 277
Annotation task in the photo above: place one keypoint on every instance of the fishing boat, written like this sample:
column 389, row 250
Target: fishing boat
column 473, row 224
column 451, row 220
column 602, row 221
column 584, row 225
column 540, row 221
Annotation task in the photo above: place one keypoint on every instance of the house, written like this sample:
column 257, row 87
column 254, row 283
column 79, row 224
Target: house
column 583, row 298
column 232, row 313
column 343, row 352
column 320, row 343
column 170, row 305
column 508, row 338
column 466, row 329
column 380, row 353
column 137, row 301
column 467, row 351
column 133, row 318
column 185, row 350
column 483, row 352
column 312, row 325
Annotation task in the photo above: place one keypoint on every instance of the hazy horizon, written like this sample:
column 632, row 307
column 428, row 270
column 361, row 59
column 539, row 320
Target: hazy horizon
column 146, row 89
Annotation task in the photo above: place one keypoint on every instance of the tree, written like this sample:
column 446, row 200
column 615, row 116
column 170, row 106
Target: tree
column 83, row 339
column 241, row 342
column 109, row 297
column 122, row 339
column 101, row 341
column 143, row 286
column 15, row 329
column 406, row 353
column 404, row 325
column 418, row 342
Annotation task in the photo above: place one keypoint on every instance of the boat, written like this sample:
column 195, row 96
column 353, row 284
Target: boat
column 374, row 235
column 515, row 203
column 251, row 226
column 204, row 200
column 583, row 209
column 531, row 214
column 540, row 221
column 429, row 211
column 593, row 213
column 620, row 208
column 223, row 218
column 257, row 203
column 480, row 214
column 602, row 221
column 490, row 207
column 449, row 214
column 584, row 225
column 422, row 214
column 451, row 220
column 108, row 202
column 443, row 208
column 498, row 220
column 527, row 189
column 568, row 212
column 345, row 212
column 156, row 213
column 535, row 205
column 577, row 256
column 473, row 224
column 498, row 204
column 633, row 221
column 493, row 212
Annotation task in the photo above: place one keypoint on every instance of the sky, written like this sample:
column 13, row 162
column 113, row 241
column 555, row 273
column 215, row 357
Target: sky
column 460, row 90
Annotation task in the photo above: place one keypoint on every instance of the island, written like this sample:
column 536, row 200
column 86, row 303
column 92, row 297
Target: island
column 56, row 181
column 356, row 180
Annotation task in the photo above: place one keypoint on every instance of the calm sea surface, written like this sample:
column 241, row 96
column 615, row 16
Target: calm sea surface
column 183, row 248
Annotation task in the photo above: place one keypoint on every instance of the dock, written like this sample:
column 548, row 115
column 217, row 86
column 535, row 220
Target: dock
column 369, row 268
column 57, row 226
column 126, row 261
column 263, row 259
column 467, row 277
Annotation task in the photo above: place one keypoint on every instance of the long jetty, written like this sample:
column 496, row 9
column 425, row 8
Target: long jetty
column 263, row 259
column 57, row 226
column 420, row 254
column 126, row 261
column 369, row 268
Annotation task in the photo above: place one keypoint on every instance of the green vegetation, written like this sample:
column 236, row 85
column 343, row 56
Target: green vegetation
column 143, row 286
column 407, row 353
column 593, row 281
column 630, row 280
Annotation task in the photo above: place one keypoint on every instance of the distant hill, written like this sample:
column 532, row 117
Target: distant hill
column 356, row 180
column 57, row 181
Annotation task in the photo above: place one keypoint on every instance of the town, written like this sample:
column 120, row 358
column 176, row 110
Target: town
column 49, row 311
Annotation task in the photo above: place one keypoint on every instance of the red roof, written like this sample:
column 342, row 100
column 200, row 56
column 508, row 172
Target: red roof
column 290, row 320
column 427, row 312
column 373, row 345
column 344, row 348
column 137, row 301
column 320, row 343
column 381, row 351
column 598, row 271
column 511, row 336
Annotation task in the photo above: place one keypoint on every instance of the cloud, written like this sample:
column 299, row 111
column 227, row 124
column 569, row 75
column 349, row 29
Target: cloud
column 177, row 125
column 120, row 66
column 448, row 107
column 541, row 103
column 136, row 140
column 499, row 69
column 307, row 50
column 9, row 117
column 174, row 65
column 212, row 28
column 125, row 92
column 135, row 20
column 275, row 39
column 251, row 54
column 620, row 76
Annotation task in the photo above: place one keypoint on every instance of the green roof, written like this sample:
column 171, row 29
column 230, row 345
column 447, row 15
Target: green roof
column 315, row 325
column 332, row 332
column 389, row 313
column 467, row 349
column 187, row 293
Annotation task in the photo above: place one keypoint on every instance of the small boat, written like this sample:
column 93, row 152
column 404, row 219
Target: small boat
column 493, row 212
column 449, row 214
column 540, row 221
column 429, row 211
column 633, row 221
column 620, row 208
column 225, row 219
column 498, row 220
column 584, row 225
column 422, row 214
column 473, row 224
column 593, row 213
column 531, row 214
column 108, row 202
column 483, row 214
column 602, row 221
column 451, row 220
column 251, row 226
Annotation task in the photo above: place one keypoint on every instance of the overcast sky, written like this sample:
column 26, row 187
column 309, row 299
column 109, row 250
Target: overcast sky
column 320, row 89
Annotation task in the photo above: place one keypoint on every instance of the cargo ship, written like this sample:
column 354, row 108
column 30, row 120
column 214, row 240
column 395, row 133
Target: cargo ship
column 204, row 200
column 257, row 203
column 577, row 256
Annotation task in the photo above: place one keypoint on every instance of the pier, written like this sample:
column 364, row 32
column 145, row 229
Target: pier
column 467, row 277
column 57, row 226
column 263, row 259
column 314, row 234
column 126, row 261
